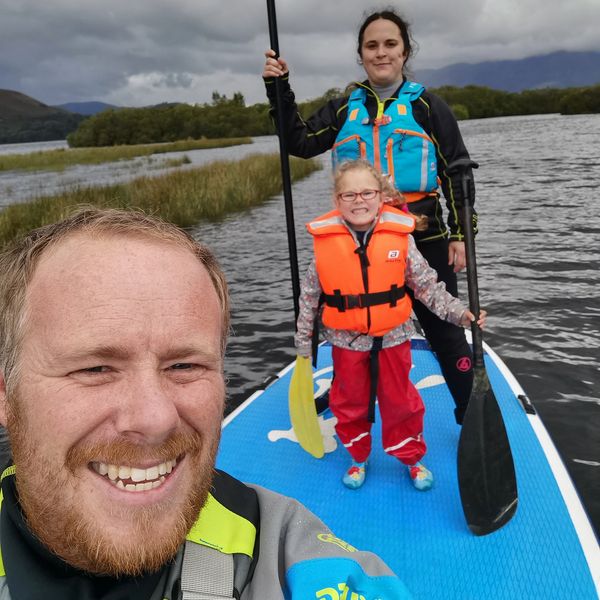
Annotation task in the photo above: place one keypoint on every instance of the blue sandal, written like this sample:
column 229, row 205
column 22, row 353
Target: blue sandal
column 421, row 476
column 354, row 477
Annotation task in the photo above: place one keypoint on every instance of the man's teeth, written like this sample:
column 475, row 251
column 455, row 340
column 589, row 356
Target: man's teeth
column 133, row 479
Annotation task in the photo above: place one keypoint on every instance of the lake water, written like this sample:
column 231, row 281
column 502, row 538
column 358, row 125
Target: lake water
column 21, row 186
column 538, row 254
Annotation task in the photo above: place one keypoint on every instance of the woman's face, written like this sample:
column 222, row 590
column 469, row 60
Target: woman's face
column 383, row 53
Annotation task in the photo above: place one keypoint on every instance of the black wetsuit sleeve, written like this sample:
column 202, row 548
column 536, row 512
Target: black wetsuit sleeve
column 310, row 137
column 436, row 117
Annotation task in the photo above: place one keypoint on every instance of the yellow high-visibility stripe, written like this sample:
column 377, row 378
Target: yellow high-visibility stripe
column 8, row 471
column 220, row 528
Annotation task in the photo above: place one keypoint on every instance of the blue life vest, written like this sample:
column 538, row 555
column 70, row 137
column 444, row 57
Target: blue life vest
column 394, row 142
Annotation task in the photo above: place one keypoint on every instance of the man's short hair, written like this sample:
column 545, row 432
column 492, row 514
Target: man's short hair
column 19, row 261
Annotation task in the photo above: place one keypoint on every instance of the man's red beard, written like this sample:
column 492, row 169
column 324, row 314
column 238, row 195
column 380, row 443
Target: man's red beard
column 62, row 525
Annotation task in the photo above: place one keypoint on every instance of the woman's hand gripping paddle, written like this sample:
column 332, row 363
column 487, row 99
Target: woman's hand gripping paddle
column 486, row 473
column 303, row 413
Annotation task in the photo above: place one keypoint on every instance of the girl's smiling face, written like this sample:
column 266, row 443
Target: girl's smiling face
column 352, row 187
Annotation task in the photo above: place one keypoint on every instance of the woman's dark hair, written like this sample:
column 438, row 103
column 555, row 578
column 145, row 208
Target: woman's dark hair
column 389, row 15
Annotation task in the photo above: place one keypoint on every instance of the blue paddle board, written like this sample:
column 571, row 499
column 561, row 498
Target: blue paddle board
column 547, row 550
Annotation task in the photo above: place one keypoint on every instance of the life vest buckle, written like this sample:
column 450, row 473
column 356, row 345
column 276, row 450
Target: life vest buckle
column 353, row 301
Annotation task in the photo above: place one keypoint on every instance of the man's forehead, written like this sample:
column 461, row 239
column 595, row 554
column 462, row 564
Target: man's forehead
column 117, row 285
column 83, row 243
column 82, row 252
column 82, row 266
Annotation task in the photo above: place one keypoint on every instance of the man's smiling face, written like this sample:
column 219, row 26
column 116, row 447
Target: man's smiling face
column 115, row 416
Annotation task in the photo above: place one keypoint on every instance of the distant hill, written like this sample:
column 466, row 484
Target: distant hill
column 556, row 70
column 86, row 108
column 24, row 119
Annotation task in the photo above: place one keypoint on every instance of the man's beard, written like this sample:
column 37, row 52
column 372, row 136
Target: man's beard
column 61, row 523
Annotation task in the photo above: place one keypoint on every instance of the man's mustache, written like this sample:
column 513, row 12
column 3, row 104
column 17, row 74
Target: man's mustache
column 122, row 451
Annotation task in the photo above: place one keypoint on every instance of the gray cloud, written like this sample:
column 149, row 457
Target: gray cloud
column 137, row 52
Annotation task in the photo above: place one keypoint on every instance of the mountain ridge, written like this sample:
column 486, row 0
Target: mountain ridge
column 86, row 108
column 559, row 69
column 25, row 119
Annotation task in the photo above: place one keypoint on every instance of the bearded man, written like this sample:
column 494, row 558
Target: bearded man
column 113, row 327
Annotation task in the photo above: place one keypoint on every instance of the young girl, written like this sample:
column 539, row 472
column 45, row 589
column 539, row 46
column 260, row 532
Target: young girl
column 364, row 258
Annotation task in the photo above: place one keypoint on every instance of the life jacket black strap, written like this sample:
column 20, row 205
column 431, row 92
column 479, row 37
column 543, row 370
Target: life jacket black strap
column 344, row 302
column 374, row 374
column 315, row 333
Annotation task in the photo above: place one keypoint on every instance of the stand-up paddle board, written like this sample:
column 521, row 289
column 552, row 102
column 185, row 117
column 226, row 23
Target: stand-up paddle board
column 546, row 551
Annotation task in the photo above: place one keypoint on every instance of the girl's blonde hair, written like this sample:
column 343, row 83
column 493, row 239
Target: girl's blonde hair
column 389, row 193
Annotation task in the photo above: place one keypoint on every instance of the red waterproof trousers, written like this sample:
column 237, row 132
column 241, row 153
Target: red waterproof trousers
column 400, row 404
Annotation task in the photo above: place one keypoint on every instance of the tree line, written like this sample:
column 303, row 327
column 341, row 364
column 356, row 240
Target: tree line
column 476, row 102
column 230, row 117
column 55, row 126
column 222, row 118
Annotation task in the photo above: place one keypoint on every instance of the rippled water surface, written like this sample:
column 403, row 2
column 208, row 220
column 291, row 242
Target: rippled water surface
column 538, row 252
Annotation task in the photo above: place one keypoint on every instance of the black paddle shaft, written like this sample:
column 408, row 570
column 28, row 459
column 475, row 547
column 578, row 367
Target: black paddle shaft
column 486, row 473
column 285, row 167
column 464, row 167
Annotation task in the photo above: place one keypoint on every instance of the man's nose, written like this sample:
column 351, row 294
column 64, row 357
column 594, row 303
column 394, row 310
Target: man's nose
column 147, row 411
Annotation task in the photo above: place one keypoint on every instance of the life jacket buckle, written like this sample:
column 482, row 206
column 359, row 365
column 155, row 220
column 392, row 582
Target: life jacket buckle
column 383, row 120
column 353, row 301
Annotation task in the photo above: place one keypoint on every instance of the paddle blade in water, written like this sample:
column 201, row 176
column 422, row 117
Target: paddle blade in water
column 486, row 473
column 303, row 413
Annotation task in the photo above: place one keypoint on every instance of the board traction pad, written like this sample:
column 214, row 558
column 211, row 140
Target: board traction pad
column 422, row 536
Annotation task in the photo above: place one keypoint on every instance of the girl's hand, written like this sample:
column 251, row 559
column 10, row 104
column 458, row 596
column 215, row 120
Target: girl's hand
column 274, row 67
column 468, row 318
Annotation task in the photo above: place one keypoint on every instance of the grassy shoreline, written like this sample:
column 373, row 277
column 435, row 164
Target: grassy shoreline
column 61, row 158
column 182, row 197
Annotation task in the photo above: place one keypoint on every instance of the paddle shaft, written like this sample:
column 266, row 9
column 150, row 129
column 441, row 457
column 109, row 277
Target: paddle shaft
column 467, row 214
column 285, row 167
column 486, row 473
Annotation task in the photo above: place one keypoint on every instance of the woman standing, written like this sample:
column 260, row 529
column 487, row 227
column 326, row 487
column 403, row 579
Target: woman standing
column 410, row 135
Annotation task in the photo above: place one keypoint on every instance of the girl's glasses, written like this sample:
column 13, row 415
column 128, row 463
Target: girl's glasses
column 366, row 195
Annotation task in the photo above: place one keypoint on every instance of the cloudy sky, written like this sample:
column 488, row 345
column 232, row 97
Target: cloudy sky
column 140, row 52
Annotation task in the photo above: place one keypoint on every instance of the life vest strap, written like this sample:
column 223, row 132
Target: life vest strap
column 345, row 302
column 411, row 197
column 207, row 573
column 315, row 332
column 374, row 375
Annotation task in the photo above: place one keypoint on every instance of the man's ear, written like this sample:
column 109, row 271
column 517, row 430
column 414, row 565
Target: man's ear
column 2, row 400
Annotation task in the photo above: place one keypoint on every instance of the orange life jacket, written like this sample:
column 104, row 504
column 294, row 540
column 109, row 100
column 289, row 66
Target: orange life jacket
column 363, row 287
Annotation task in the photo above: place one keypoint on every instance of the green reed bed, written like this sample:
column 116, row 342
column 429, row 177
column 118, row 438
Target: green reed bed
column 183, row 197
column 57, row 160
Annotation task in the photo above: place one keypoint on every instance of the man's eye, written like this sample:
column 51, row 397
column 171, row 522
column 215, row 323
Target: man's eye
column 182, row 366
column 95, row 375
column 186, row 372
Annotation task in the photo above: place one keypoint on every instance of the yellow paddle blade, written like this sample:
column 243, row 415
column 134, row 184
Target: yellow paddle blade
column 303, row 413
